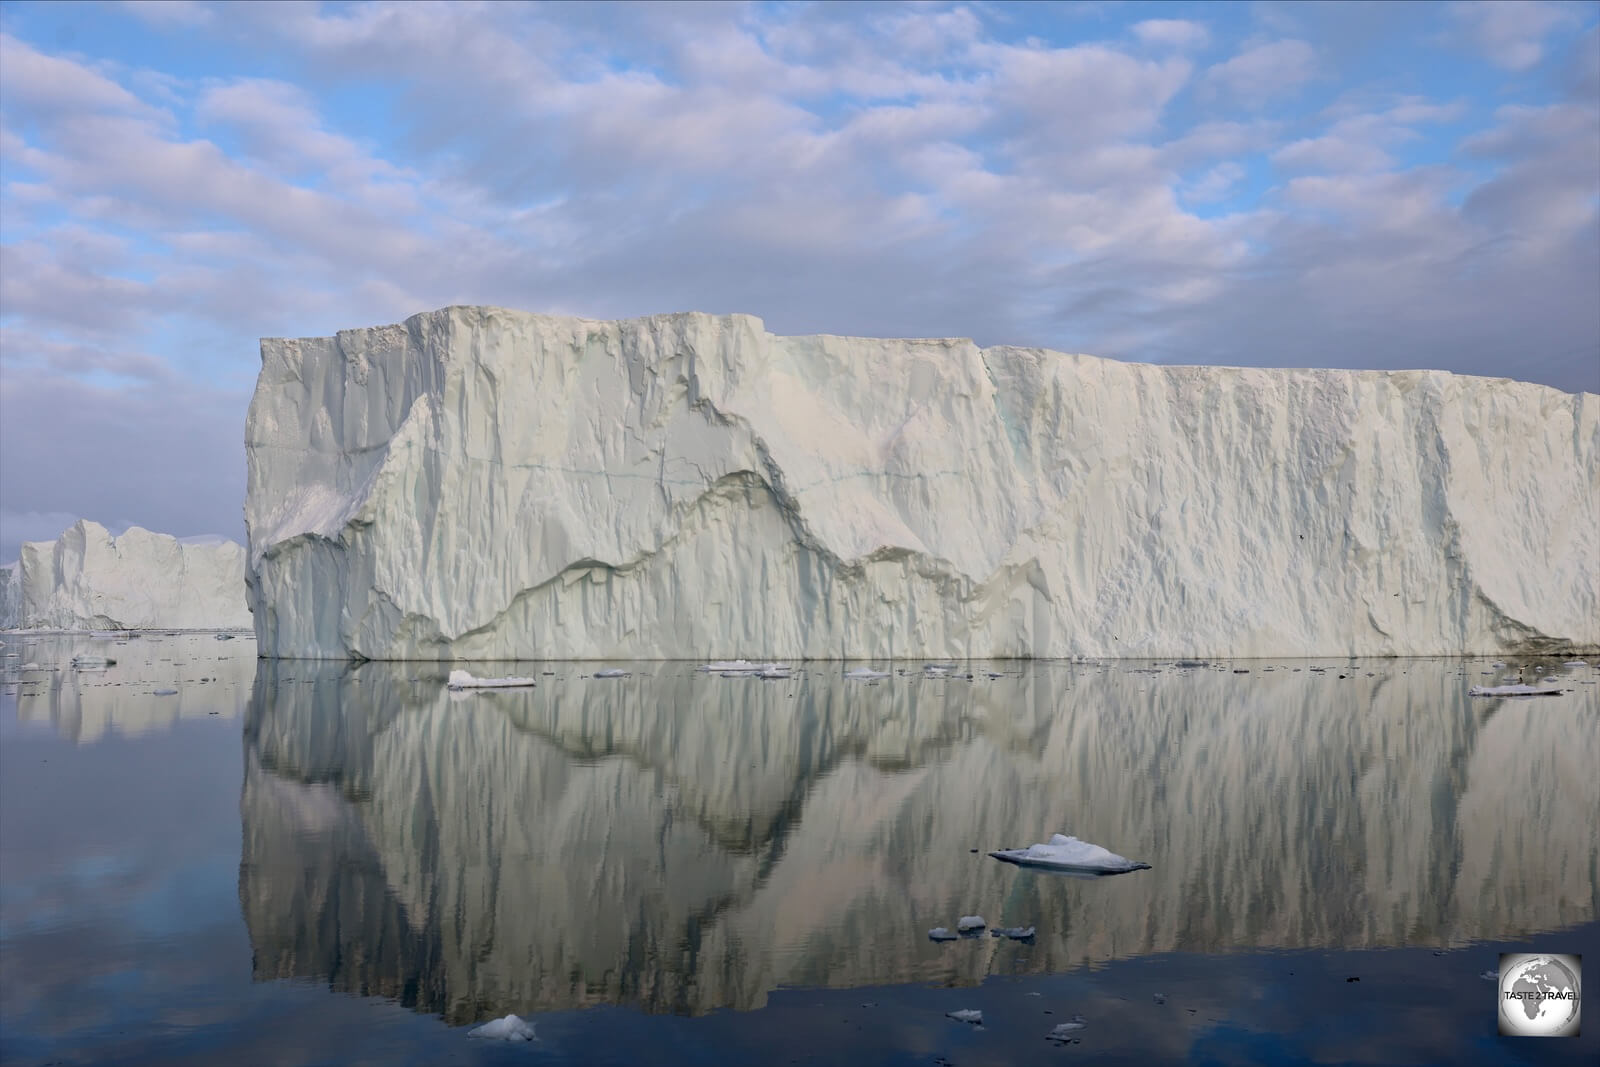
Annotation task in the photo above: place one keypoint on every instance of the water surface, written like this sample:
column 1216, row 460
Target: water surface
column 312, row 863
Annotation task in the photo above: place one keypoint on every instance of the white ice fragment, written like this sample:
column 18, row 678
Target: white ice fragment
column 1064, row 1031
column 743, row 668
column 224, row 637
column 165, row 693
column 968, row 923
column 1066, row 853
column 1543, row 690
column 967, row 1015
column 1015, row 933
column 30, row 666
column 1497, row 663
column 509, row 1028
column 610, row 672
column 84, row 662
column 865, row 674
column 1490, row 976
column 1160, row 998
column 463, row 680
column 1575, row 663
column 939, row 933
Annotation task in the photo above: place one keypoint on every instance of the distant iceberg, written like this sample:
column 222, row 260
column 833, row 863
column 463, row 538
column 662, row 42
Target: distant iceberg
column 509, row 1028
column 464, row 680
column 1065, row 853
column 865, row 674
column 611, row 672
column 736, row 668
column 1544, row 689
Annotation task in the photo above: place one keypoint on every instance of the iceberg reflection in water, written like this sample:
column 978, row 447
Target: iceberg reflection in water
column 679, row 842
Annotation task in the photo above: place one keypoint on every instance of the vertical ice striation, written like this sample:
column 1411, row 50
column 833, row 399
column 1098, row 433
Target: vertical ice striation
column 86, row 579
column 477, row 483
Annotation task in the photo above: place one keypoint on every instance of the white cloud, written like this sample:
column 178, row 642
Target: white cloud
column 1178, row 34
column 1261, row 75
column 1511, row 33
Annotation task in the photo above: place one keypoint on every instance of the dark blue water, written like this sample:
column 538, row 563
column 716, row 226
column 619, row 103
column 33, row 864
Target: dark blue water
column 293, row 863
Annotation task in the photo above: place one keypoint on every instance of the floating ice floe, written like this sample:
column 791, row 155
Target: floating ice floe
column 1015, row 933
column 1497, row 663
column 30, row 666
column 1160, row 998
column 1065, row 1031
column 939, row 933
column 865, row 674
column 610, row 672
column 735, row 668
column 1541, row 690
column 938, row 670
column 224, row 637
column 968, row 923
column 509, row 1028
column 464, row 680
column 1490, row 976
column 165, row 693
column 1575, row 663
column 968, row 1015
column 1065, row 853
column 85, row 662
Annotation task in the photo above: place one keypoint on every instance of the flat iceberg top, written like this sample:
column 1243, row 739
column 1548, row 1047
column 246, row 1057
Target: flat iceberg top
column 464, row 680
column 1544, row 689
column 1069, row 854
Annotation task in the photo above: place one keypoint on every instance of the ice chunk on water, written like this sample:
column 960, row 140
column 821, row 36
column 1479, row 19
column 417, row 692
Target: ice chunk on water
column 165, row 693
column 1015, row 933
column 736, row 668
column 611, row 672
column 1575, row 663
column 1066, row 853
column 865, row 674
column 939, row 933
column 968, row 923
column 967, row 1015
column 1064, row 1031
column 1541, row 690
column 509, row 1028
column 464, row 680
column 85, row 662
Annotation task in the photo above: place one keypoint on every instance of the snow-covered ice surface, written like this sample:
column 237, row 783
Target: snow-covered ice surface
column 478, row 483
column 967, row 1015
column 460, row 679
column 509, row 1028
column 87, row 579
column 1543, row 689
column 968, row 923
column 940, row 933
column 1067, row 853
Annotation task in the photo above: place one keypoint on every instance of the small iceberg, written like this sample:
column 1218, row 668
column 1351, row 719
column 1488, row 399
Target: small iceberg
column 1064, row 1031
column 463, row 680
column 969, row 923
column 1068, row 854
column 610, row 672
column 1544, row 689
column 1015, row 933
column 85, row 662
column 224, row 637
column 967, row 1015
column 939, row 933
column 865, row 674
column 165, row 693
column 938, row 670
column 1575, row 663
column 740, row 668
column 510, row 1028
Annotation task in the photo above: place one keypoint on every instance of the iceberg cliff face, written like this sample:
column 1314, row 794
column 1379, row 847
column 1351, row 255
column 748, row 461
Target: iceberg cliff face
column 87, row 579
column 479, row 483
column 10, row 596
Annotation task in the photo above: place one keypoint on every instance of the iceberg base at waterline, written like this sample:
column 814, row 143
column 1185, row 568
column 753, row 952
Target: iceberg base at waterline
column 1069, row 855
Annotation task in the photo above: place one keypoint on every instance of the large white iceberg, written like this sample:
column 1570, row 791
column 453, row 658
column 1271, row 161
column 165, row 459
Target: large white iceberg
column 477, row 483
column 86, row 579
column 1065, row 853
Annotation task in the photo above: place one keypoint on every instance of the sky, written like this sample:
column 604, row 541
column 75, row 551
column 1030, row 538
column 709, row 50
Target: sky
column 1303, row 184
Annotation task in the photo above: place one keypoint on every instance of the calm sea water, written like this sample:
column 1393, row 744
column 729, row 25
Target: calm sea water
column 296, row 863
